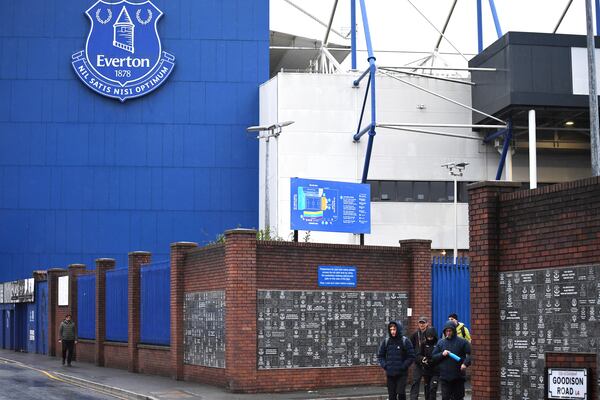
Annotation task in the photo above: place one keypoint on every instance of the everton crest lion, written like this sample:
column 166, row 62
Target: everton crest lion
column 123, row 56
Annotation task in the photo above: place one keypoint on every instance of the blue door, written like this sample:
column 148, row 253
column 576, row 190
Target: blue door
column 20, row 326
column 31, row 328
column 41, row 318
column 2, row 330
column 7, row 326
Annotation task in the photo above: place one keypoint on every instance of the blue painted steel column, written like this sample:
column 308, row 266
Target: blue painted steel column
column 597, row 17
column 496, row 21
column 353, row 31
column 372, row 71
column 372, row 129
column 479, row 28
column 507, row 139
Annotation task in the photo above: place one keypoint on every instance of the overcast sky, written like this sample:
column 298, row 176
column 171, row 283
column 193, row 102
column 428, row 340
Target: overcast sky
column 396, row 25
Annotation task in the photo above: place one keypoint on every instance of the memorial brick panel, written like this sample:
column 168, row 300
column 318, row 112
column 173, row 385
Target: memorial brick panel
column 535, row 257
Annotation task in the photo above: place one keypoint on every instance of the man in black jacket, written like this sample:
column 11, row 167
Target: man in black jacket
column 395, row 355
column 425, row 362
column 417, row 339
column 452, row 355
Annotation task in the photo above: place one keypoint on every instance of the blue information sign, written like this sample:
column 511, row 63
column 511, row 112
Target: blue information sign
column 330, row 206
column 337, row 276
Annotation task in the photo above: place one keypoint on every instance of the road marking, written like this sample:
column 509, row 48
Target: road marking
column 56, row 378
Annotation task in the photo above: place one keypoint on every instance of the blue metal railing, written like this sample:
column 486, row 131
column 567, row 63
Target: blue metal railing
column 155, row 304
column 450, row 290
column 116, row 305
column 86, row 307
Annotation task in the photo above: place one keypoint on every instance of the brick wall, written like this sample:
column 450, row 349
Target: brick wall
column 553, row 226
column 116, row 355
column 242, row 266
column 86, row 351
column 154, row 360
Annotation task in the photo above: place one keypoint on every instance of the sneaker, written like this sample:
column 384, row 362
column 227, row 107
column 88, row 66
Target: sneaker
column 63, row 362
column 69, row 364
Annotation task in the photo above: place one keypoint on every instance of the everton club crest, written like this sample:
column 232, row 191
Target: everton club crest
column 123, row 57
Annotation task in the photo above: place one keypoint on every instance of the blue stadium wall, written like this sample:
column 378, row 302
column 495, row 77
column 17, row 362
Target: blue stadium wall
column 83, row 176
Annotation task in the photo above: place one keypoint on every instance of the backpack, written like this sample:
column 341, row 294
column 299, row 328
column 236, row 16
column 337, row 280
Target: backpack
column 404, row 339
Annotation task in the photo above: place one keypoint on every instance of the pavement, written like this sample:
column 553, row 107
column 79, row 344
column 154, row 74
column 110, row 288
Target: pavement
column 126, row 385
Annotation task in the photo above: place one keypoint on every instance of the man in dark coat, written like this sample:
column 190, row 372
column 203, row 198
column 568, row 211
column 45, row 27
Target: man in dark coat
column 395, row 355
column 452, row 355
column 417, row 339
column 424, row 360
column 68, row 338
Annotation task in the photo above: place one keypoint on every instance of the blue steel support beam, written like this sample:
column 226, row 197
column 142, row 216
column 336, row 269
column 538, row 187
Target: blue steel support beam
column 359, row 133
column 357, row 81
column 494, row 135
column 363, row 11
column 479, row 28
column 507, row 139
column 372, row 130
column 353, row 31
column 496, row 20
column 597, row 17
column 372, row 70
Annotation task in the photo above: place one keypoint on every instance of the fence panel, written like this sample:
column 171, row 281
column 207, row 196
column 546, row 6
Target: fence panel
column 41, row 318
column 450, row 290
column 155, row 304
column 86, row 307
column 116, row 305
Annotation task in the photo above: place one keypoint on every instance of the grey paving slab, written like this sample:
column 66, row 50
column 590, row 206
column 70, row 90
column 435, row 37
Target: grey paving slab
column 161, row 388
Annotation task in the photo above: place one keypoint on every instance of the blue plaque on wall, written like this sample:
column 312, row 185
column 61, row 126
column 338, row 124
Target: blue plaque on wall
column 330, row 206
column 123, row 56
column 337, row 276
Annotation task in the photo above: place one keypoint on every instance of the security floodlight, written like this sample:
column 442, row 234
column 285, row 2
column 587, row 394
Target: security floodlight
column 455, row 170
column 270, row 131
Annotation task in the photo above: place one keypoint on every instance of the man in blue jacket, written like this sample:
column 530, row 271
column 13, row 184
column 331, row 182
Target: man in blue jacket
column 395, row 355
column 452, row 355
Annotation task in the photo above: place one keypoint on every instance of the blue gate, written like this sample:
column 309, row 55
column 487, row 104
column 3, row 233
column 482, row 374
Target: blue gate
column 8, row 315
column 39, row 325
column 116, row 305
column 20, row 332
column 450, row 290
column 86, row 307
column 155, row 304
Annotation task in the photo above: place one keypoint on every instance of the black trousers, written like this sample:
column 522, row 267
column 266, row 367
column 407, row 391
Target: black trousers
column 396, row 386
column 430, row 385
column 453, row 390
column 67, row 350
column 416, row 384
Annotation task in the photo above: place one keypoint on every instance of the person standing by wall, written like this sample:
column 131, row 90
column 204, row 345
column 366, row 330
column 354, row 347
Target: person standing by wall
column 68, row 338
column 417, row 339
column 461, row 330
column 396, row 354
column 425, row 361
column 452, row 355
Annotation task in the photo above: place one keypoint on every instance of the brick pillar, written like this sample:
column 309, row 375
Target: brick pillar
column 136, row 259
column 418, row 255
column 102, row 265
column 240, row 300
column 485, row 314
column 53, row 275
column 74, row 271
column 178, row 254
